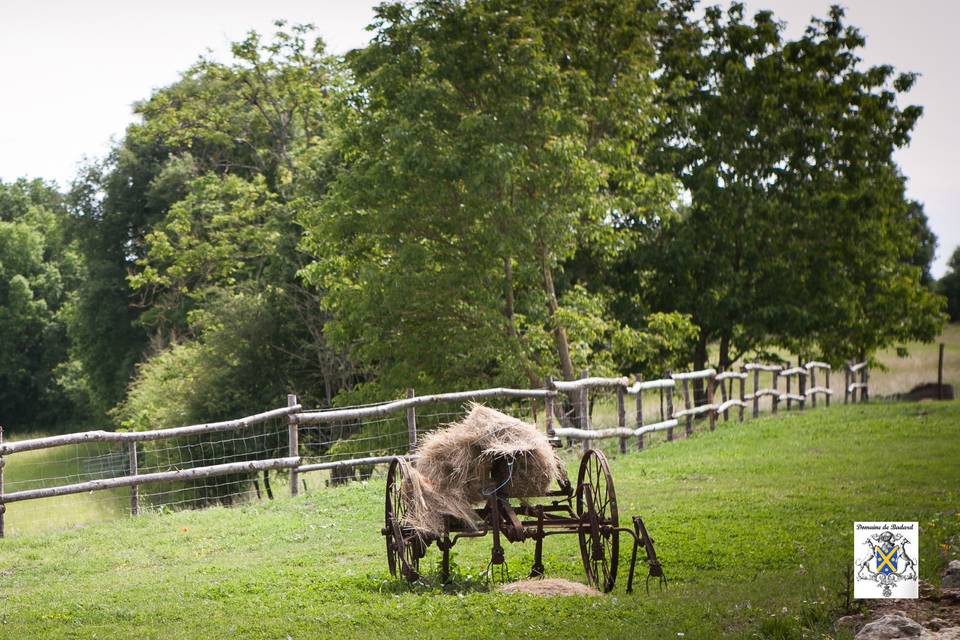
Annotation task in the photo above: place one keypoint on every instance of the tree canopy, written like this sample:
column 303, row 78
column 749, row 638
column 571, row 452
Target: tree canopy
column 490, row 192
column 796, row 231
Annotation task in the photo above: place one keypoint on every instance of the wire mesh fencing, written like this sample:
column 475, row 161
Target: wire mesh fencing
column 76, row 479
column 64, row 481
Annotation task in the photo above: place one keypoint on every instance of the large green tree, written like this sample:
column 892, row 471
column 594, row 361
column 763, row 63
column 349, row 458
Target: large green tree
column 217, row 278
column 795, row 231
column 483, row 143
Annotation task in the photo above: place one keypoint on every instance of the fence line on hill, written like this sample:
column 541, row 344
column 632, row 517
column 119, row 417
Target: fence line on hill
column 344, row 440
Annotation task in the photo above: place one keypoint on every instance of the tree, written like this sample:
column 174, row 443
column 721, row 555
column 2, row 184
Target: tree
column 925, row 241
column 194, row 208
column 483, row 143
column 949, row 286
column 796, row 232
column 39, row 270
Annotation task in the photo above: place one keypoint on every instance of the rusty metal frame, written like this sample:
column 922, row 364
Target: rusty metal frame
column 521, row 522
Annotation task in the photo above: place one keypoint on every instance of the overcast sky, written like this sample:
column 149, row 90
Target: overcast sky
column 71, row 71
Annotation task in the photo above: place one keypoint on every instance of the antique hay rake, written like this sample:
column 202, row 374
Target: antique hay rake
column 589, row 511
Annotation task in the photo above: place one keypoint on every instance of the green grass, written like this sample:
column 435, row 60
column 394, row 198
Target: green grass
column 753, row 524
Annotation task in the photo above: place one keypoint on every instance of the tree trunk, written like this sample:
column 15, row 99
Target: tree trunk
column 559, row 333
column 724, row 357
column 699, row 362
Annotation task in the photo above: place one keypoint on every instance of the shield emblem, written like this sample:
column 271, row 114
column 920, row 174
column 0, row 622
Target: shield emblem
column 886, row 559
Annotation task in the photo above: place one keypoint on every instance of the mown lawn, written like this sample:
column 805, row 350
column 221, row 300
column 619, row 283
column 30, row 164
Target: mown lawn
column 753, row 524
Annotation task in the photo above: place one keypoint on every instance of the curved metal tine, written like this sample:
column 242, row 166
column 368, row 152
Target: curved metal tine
column 503, row 571
column 662, row 581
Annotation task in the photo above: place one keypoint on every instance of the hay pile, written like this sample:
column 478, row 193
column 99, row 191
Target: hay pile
column 452, row 473
column 549, row 587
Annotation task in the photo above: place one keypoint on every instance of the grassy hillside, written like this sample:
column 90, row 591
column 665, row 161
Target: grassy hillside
column 902, row 374
column 753, row 524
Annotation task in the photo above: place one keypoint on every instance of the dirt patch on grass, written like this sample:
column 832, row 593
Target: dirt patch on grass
column 934, row 610
column 549, row 587
column 943, row 605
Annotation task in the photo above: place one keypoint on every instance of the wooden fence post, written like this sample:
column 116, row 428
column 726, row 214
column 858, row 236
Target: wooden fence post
column 411, row 422
column 687, row 407
column 789, row 399
column 813, row 385
column 640, row 413
column 134, row 488
column 827, row 383
column 584, row 402
column 743, row 391
column 3, row 506
column 756, row 398
column 293, row 444
column 865, row 380
column 940, row 374
column 723, row 397
column 846, row 383
column 622, row 416
column 669, row 407
column 711, row 383
column 662, row 412
column 548, row 409
column 802, row 388
column 776, row 390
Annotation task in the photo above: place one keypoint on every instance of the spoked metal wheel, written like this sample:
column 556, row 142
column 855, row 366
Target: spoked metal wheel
column 597, row 510
column 404, row 547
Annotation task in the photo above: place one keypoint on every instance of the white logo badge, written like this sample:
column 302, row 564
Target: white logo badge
column 886, row 556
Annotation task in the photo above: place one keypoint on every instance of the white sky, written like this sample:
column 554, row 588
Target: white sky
column 71, row 71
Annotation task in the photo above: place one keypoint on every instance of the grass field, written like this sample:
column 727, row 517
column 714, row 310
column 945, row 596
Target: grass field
column 902, row 374
column 753, row 524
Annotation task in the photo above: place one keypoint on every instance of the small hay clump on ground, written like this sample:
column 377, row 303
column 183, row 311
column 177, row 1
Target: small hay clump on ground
column 452, row 472
column 549, row 587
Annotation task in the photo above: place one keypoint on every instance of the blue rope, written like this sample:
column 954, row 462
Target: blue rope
column 505, row 482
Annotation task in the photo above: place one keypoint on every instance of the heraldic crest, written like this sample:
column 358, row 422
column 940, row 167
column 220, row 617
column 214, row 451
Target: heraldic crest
column 887, row 562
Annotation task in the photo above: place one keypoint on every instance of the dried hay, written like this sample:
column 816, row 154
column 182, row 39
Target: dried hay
column 452, row 472
column 549, row 587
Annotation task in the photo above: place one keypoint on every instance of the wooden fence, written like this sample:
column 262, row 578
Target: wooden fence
column 730, row 385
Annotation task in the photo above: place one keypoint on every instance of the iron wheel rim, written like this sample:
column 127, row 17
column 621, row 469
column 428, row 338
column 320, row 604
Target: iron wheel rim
column 600, row 552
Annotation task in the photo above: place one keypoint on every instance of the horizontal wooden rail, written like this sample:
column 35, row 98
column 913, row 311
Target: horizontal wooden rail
column 147, row 478
column 792, row 396
column 857, row 385
column 620, row 432
column 815, row 390
column 588, row 383
column 353, row 462
column 649, row 385
column 763, row 367
column 695, row 411
column 694, row 375
column 730, row 375
column 813, row 364
column 759, row 393
column 338, row 415
column 731, row 403
column 140, row 436
column 856, row 367
column 796, row 371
